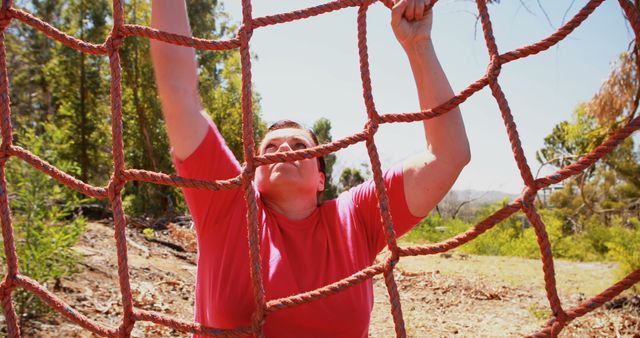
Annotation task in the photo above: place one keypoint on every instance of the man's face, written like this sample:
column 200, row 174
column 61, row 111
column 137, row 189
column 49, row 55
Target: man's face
column 302, row 176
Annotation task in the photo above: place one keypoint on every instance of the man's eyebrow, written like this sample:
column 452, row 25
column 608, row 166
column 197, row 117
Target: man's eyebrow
column 266, row 142
column 300, row 138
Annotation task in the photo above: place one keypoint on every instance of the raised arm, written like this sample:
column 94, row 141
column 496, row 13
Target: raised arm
column 176, row 76
column 430, row 175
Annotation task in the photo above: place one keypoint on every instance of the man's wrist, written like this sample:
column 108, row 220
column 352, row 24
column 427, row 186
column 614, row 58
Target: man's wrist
column 418, row 48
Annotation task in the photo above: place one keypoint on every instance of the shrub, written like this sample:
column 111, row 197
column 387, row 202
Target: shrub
column 619, row 241
column 434, row 229
column 44, row 226
column 624, row 248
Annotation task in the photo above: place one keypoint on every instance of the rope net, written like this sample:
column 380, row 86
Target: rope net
column 560, row 316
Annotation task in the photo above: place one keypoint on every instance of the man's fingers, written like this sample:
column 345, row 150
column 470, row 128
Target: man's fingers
column 396, row 12
column 410, row 11
column 419, row 12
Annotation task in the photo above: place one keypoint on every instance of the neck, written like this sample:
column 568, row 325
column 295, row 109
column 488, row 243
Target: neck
column 293, row 206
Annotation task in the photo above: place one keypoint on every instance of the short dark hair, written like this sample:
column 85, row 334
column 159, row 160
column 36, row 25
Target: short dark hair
column 282, row 124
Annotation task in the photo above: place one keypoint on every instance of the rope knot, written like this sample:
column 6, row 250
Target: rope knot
column 114, row 41
column 371, row 127
column 115, row 186
column 247, row 173
column 391, row 262
column 245, row 29
column 494, row 68
column 257, row 321
column 5, row 153
column 558, row 322
column 7, row 285
column 528, row 197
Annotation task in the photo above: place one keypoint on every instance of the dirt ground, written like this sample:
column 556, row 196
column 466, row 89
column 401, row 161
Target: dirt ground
column 449, row 295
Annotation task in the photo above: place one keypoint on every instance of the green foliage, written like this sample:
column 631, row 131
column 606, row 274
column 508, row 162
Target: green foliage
column 81, row 90
column 624, row 247
column 350, row 177
column 45, row 228
column 145, row 140
column 505, row 238
column 516, row 237
column 434, row 229
column 540, row 313
column 599, row 207
column 322, row 129
column 611, row 187
column 148, row 232
column 50, row 82
column 28, row 53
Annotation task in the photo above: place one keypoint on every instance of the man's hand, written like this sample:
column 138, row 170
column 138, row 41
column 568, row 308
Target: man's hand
column 410, row 23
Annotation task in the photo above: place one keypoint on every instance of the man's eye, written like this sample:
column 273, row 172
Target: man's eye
column 299, row 146
column 269, row 148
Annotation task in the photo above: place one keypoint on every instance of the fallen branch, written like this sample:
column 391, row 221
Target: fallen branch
column 168, row 244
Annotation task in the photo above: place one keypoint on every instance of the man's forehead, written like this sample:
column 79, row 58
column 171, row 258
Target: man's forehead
column 288, row 133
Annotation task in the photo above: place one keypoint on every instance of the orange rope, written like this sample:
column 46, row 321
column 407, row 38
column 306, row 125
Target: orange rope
column 263, row 308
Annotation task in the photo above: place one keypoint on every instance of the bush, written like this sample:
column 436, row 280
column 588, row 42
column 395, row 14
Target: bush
column 501, row 239
column 434, row 229
column 44, row 226
column 514, row 236
column 624, row 248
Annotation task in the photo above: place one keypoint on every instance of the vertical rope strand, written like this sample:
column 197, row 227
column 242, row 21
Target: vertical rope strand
column 547, row 259
column 365, row 76
column 492, row 74
column 117, row 181
column 383, row 200
column 7, row 286
column 633, row 15
column 257, row 320
column 7, row 141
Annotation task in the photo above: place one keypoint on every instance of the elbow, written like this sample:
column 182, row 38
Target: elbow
column 462, row 158
column 466, row 157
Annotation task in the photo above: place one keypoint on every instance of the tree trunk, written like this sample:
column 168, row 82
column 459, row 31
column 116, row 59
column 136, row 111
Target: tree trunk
column 83, row 127
column 142, row 119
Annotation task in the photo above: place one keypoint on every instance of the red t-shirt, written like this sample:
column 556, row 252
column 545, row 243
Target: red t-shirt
column 339, row 238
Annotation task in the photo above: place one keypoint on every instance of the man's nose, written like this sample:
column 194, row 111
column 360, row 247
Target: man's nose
column 284, row 147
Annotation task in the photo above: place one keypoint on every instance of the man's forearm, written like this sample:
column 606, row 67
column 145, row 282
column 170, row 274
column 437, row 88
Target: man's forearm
column 446, row 135
column 172, row 64
column 176, row 71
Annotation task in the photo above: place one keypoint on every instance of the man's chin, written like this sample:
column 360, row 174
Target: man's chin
column 279, row 182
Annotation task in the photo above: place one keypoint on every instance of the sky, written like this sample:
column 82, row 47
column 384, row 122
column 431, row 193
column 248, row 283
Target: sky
column 309, row 69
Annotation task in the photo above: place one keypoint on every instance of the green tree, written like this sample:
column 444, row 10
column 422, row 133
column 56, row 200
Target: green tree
column 603, row 200
column 322, row 129
column 52, row 82
column 43, row 221
column 612, row 185
column 350, row 177
column 146, row 143
column 28, row 52
column 82, row 90
column 220, row 89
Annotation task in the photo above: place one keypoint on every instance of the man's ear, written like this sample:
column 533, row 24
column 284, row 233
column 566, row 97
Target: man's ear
column 321, row 182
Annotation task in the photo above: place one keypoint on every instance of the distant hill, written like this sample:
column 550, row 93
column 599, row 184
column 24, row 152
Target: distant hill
column 464, row 204
column 481, row 197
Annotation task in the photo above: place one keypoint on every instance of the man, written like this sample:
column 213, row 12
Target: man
column 304, row 245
